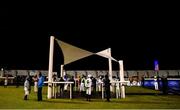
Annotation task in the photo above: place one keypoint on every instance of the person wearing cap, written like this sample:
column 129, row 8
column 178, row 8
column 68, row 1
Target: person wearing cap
column 6, row 81
column 156, row 83
column 107, row 87
column 88, row 84
column 26, row 88
column 82, row 86
column 117, row 84
column 99, row 84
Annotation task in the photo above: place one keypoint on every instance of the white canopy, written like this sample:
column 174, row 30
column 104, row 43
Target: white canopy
column 106, row 53
column 72, row 53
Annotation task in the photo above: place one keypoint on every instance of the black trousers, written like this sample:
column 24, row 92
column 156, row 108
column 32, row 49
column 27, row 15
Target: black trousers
column 107, row 92
column 61, row 91
column 39, row 94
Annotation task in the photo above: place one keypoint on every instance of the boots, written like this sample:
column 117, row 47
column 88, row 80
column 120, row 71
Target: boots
column 25, row 97
column 89, row 97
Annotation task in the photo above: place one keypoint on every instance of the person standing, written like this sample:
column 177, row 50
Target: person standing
column 66, row 80
column 6, row 81
column 40, row 85
column 156, row 83
column 164, row 85
column 2, row 72
column 88, row 84
column 107, row 87
column 100, row 84
column 94, row 85
column 82, row 86
column 26, row 88
column 117, row 88
column 61, row 87
column 17, row 79
column 35, row 78
column 72, row 85
column 142, row 81
column 30, row 81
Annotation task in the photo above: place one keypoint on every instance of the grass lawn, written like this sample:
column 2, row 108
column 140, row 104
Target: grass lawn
column 12, row 98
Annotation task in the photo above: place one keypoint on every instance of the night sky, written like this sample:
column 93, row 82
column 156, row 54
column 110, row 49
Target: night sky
column 136, row 35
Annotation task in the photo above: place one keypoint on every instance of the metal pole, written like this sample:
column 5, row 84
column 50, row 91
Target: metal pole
column 62, row 70
column 121, row 71
column 110, row 67
column 51, row 51
column 70, row 90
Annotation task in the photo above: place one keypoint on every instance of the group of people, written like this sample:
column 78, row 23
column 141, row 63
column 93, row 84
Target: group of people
column 89, row 83
column 164, row 84
column 38, row 84
column 64, row 86
column 86, row 85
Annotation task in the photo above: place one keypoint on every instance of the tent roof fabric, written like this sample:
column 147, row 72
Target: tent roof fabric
column 106, row 53
column 72, row 53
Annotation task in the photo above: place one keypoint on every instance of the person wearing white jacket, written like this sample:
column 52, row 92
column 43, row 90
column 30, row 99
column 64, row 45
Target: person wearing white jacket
column 88, row 84
column 156, row 83
column 26, row 88
column 117, row 88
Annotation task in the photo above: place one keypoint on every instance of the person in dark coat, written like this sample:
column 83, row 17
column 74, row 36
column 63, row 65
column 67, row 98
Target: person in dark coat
column 164, row 85
column 61, row 86
column 94, row 85
column 72, row 85
column 107, row 87
column 142, row 81
column 17, row 78
column 30, row 83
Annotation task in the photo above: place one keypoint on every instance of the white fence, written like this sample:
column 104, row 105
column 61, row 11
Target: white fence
column 96, row 73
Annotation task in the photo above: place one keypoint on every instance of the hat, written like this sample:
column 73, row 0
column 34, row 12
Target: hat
column 89, row 75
